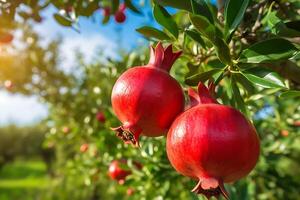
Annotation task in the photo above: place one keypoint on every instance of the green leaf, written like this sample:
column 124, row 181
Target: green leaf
column 239, row 102
column 234, row 13
column 132, row 7
column 162, row 16
column 245, row 83
column 194, row 80
column 183, row 5
column 271, row 50
column 202, row 25
column 290, row 94
column 216, row 64
column 62, row 20
column 223, row 51
column 196, row 37
column 115, row 5
column 148, row 31
column 200, row 7
column 266, row 82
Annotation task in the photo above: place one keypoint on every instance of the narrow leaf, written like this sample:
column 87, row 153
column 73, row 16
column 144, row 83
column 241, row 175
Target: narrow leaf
column 148, row 31
column 265, row 83
column 162, row 16
column 271, row 50
column 200, row 7
column 202, row 25
column 290, row 94
column 234, row 13
column 196, row 37
column 62, row 20
column 240, row 104
column 132, row 7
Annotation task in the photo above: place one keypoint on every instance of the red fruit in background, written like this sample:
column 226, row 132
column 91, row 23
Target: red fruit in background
column 116, row 172
column 84, row 148
column 120, row 16
column 6, row 38
column 284, row 133
column 146, row 99
column 130, row 192
column 297, row 123
column 212, row 143
column 106, row 11
column 8, row 84
column 65, row 129
column 100, row 117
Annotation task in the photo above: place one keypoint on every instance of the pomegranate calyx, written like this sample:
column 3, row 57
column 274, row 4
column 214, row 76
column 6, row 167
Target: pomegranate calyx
column 202, row 97
column 210, row 187
column 128, row 135
column 163, row 58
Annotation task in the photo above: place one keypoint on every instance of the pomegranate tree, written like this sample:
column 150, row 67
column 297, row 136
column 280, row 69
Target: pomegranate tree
column 147, row 99
column 212, row 143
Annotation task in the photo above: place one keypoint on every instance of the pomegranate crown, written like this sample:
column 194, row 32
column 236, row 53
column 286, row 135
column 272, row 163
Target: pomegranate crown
column 204, row 95
column 163, row 58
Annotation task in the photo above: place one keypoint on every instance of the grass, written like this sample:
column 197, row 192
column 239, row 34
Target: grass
column 22, row 180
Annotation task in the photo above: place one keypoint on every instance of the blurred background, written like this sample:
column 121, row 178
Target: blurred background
column 55, row 116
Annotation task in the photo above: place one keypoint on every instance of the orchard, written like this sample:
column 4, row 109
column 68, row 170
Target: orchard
column 209, row 108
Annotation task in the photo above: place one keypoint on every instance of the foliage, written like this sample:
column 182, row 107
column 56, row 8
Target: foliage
column 249, row 49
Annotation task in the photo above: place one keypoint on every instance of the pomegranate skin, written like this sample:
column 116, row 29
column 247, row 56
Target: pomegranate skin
column 213, row 144
column 120, row 17
column 116, row 172
column 146, row 99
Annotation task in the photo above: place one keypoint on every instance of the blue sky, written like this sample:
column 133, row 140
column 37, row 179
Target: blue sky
column 27, row 110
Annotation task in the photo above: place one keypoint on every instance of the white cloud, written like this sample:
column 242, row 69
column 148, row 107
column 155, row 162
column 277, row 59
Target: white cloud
column 15, row 108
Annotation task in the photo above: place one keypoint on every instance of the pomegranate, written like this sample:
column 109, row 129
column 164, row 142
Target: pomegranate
column 100, row 117
column 284, row 133
column 6, row 38
column 120, row 16
column 129, row 191
column 147, row 99
column 106, row 11
column 65, row 130
column 212, row 143
column 116, row 172
column 8, row 84
column 84, row 148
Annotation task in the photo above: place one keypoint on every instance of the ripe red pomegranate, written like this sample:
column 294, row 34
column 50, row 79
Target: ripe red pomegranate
column 117, row 172
column 6, row 38
column 84, row 148
column 106, row 11
column 100, row 117
column 120, row 16
column 147, row 99
column 212, row 143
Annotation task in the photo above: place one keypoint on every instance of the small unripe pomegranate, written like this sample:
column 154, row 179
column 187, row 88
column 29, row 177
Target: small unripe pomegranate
column 130, row 192
column 120, row 16
column 8, row 84
column 65, row 130
column 284, row 133
column 146, row 99
column 84, row 148
column 297, row 123
column 100, row 117
column 212, row 143
column 116, row 172
column 6, row 38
